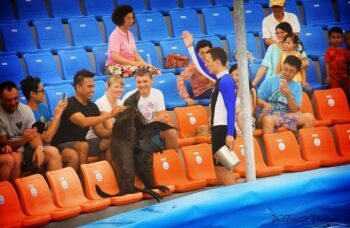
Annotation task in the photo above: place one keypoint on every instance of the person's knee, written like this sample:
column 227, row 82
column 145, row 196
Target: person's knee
column 82, row 147
column 7, row 161
column 105, row 144
column 17, row 157
column 170, row 138
column 307, row 120
column 268, row 121
column 70, row 155
column 52, row 153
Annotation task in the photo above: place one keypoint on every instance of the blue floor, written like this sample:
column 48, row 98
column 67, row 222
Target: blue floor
column 313, row 198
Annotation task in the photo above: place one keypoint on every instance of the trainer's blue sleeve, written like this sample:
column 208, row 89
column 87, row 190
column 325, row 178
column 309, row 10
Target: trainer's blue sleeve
column 227, row 88
column 200, row 66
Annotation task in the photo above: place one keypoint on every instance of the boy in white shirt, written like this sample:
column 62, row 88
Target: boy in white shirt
column 151, row 105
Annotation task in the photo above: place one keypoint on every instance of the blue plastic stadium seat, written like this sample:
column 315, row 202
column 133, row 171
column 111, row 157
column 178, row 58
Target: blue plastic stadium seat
column 18, row 38
column 64, row 9
column 152, row 27
column 137, row 5
column 98, row 8
column 85, row 32
column 54, row 94
column 218, row 21
column 166, row 83
column 73, row 61
column 185, row 20
column 100, row 89
column 196, row 4
column 129, row 84
column 109, row 26
column 51, row 35
column 6, row 12
column 31, row 10
column 314, row 41
column 253, row 13
column 43, row 66
column 253, row 68
column 148, row 48
column 226, row 3
column 173, row 46
column 264, row 3
column 100, row 56
column 262, row 44
column 22, row 98
column 343, row 10
column 215, row 41
column 312, row 78
column 158, row 5
column 322, row 68
column 318, row 12
column 292, row 7
column 11, row 69
column 252, row 46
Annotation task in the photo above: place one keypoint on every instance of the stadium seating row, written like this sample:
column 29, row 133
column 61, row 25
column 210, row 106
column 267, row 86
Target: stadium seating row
column 36, row 205
column 316, row 12
column 43, row 64
column 313, row 38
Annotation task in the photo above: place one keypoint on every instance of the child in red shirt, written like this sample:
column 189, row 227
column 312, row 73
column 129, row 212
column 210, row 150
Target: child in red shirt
column 336, row 59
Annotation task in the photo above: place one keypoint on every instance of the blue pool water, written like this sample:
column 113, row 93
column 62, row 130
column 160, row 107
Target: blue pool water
column 317, row 198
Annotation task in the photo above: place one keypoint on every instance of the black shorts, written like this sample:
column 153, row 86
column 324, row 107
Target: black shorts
column 218, row 138
column 94, row 146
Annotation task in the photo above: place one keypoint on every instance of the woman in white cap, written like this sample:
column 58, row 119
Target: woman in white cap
column 277, row 16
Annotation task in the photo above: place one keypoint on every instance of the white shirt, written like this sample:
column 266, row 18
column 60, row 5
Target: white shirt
column 150, row 105
column 13, row 124
column 104, row 106
column 269, row 25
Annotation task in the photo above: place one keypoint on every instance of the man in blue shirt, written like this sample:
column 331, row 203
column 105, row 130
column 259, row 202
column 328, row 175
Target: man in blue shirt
column 279, row 100
column 223, row 104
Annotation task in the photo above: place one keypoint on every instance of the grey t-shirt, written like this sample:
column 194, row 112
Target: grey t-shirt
column 13, row 124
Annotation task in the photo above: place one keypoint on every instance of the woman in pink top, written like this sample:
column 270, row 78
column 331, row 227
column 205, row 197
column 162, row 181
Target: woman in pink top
column 123, row 58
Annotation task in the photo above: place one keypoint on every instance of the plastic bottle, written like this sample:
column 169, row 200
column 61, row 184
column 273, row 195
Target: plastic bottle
column 149, row 60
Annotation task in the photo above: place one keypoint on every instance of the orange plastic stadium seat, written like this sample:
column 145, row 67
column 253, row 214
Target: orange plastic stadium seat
column 188, row 119
column 92, row 159
column 167, row 170
column 342, row 133
column 257, row 132
column 306, row 106
column 199, row 163
column 67, row 191
column 11, row 214
column 261, row 169
column 181, row 141
column 101, row 173
column 36, row 199
column 139, row 184
column 332, row 104
column 318, row 145
column 282, row 149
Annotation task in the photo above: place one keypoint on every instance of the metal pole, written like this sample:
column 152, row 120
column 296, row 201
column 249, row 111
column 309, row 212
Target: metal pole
column 244, row 94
